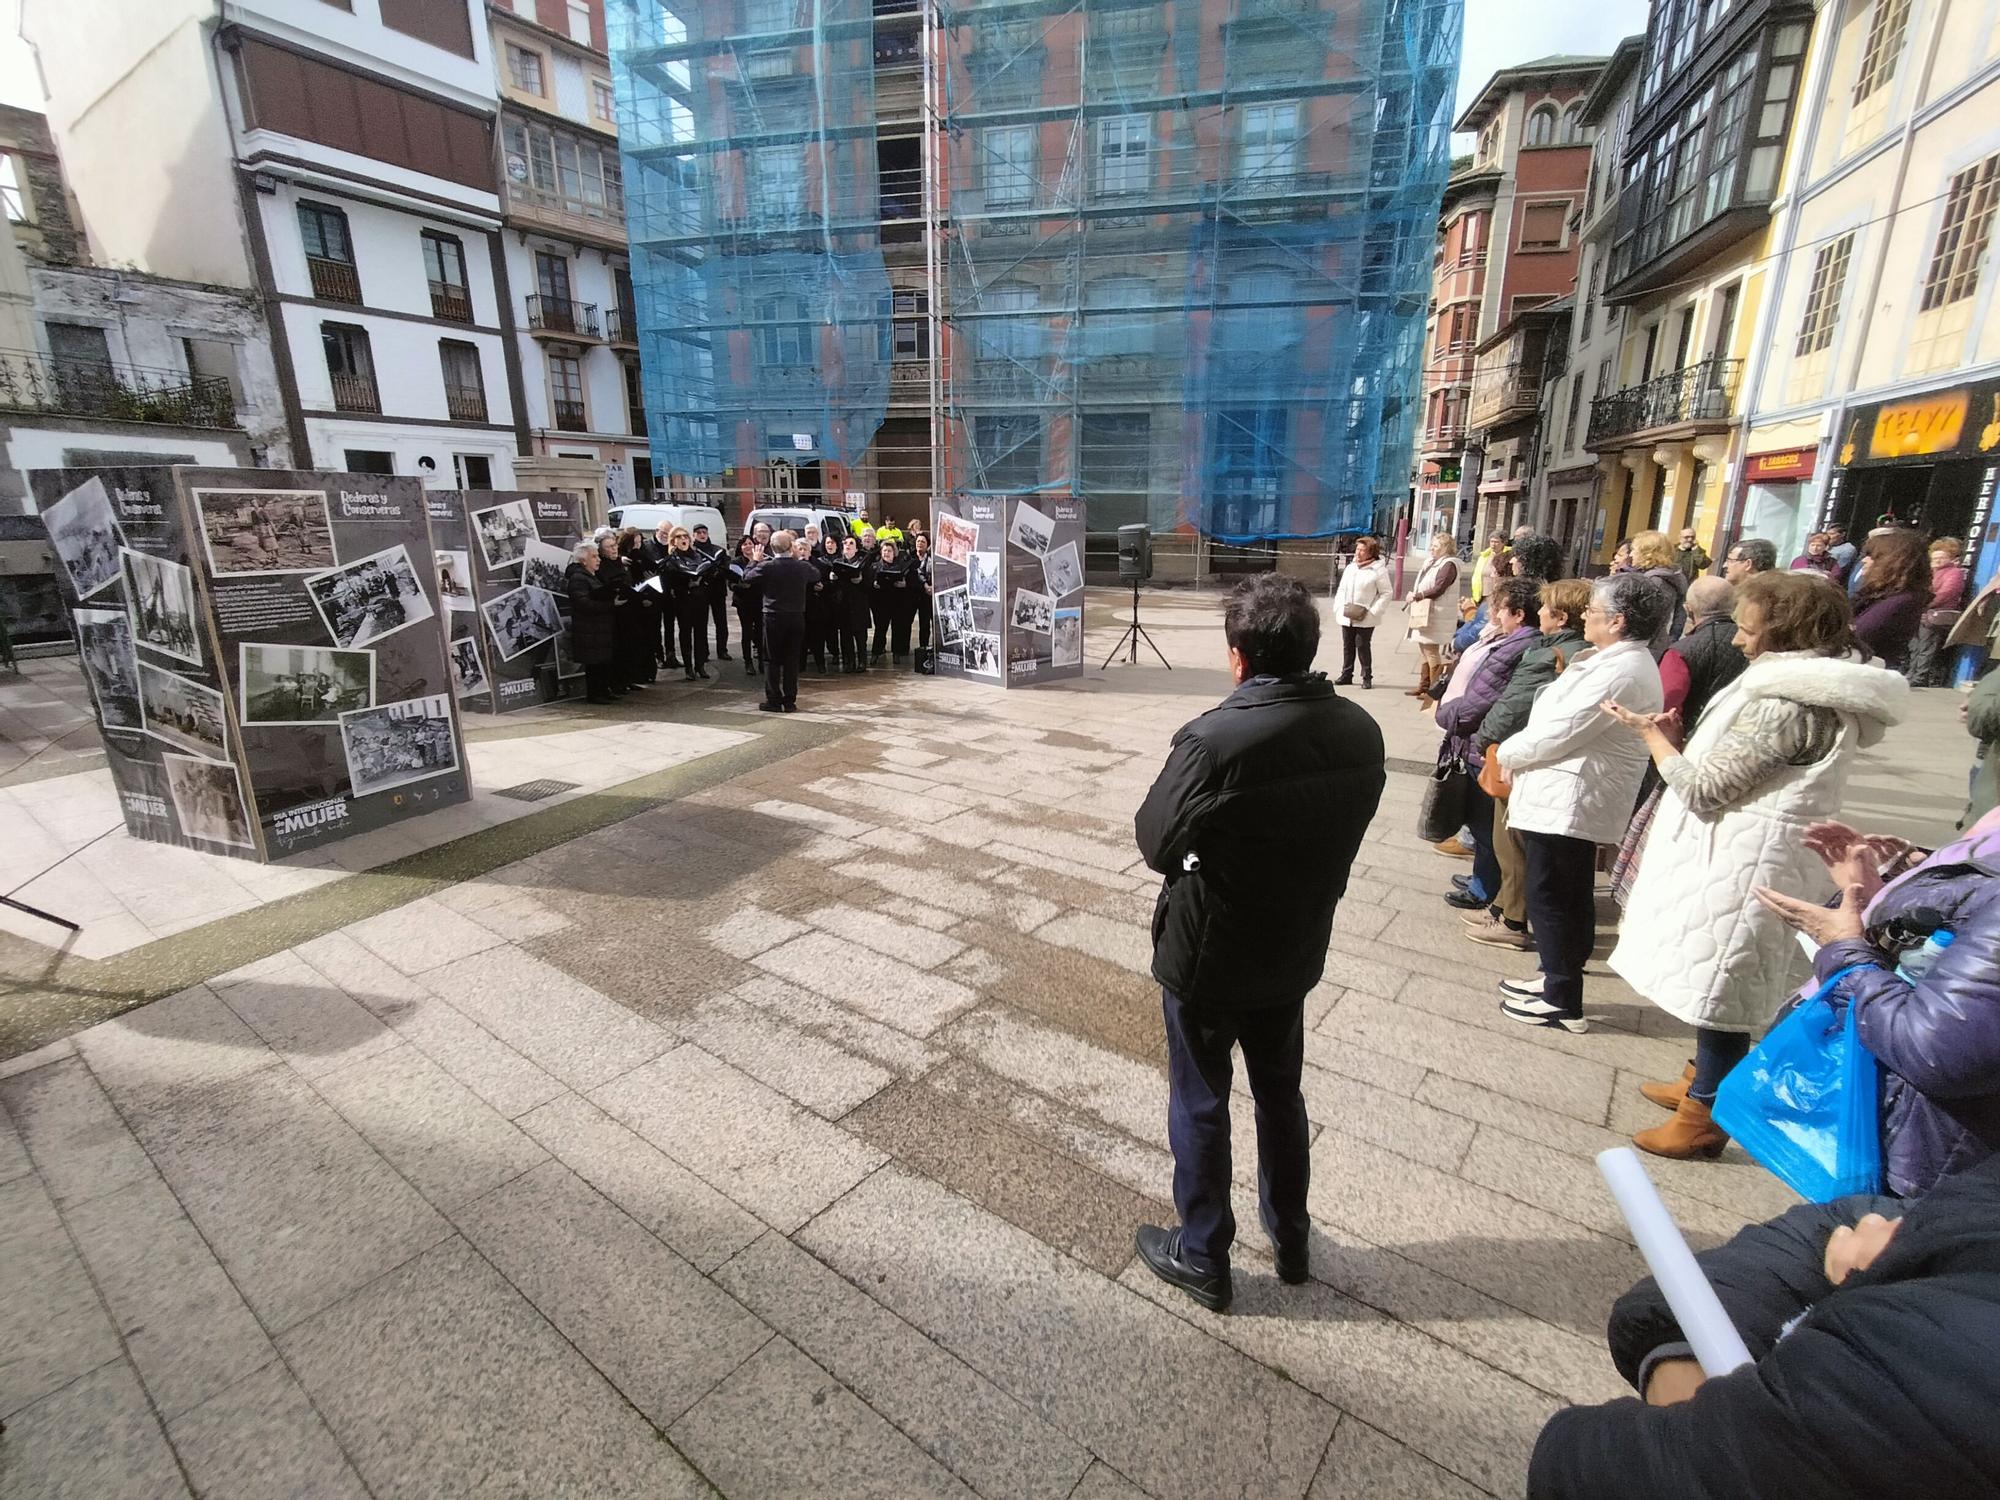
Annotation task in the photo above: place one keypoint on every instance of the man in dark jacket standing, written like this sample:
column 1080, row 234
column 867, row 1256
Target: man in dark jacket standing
column 1254, row 821
column 1872, row 1324
column 718, row 589
column 784, row 581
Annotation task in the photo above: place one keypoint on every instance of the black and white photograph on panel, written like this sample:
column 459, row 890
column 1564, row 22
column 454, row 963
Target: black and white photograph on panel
column 1066, row 640
column 159, row 598
column 1062, row 571
column 958, row 538
column 454, row 574
column 104, row 641
column 182, row 713
column 265, row 531
column 393, row 744
column 544, row 567
column 371, row 598
column 301, row 684
column 87, row 537
column 982, row 652
column 521, row 619
column 468, row 672
column 208, row 800
column 982, row 575
column 1032, row 531
column 954, row 614
column 504, row 532
column 566, row 663
column 1033, row 611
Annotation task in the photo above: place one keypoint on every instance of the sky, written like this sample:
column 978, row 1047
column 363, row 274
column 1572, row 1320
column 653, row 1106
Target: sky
column 20, row 84
column 1501, row 33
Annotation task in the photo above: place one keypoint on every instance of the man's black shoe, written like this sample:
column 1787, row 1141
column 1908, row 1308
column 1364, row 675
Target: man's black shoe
column 1464, row 900
column 1294, row 1266
column 1160, row 1249
column 721, row 655
column 771, row 708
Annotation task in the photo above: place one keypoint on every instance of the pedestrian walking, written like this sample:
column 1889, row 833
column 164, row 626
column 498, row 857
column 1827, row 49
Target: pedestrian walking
column 1254, row 823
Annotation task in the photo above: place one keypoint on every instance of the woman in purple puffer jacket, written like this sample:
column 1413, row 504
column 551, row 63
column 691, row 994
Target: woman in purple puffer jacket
column 1938, row 1039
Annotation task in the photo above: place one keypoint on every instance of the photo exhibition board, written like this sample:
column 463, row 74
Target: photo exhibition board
column 491, row 545
column 1007, row 575
column 267, row 662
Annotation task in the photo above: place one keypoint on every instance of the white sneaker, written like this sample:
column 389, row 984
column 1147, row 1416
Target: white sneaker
column 1538, row 1012
column 1522, row 989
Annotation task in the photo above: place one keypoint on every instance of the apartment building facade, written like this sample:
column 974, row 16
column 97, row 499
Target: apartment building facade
column 1506, row 254
column 1703, row 164
column 1874, row 386
column 563, row 203
column 340, row 162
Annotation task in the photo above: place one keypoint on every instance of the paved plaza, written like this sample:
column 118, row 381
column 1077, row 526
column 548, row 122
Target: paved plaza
column 769, row 1114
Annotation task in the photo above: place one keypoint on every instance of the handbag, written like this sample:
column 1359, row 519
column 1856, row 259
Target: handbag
column 1420, row 612
column 1443, row 810
column 1806, row 1101
column 1354, row 614
column 1493, row 781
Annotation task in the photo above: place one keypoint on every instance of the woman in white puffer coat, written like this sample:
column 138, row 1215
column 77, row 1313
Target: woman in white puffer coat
column 1364, row 589
column 1769, row 759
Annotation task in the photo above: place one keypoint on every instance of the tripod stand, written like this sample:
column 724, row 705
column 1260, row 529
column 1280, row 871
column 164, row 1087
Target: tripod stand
column 1134, row 633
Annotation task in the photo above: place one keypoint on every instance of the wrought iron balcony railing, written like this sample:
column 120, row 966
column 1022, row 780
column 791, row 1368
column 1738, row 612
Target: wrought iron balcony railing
column 620, row 326
column 465, row 404
column 334, row 280
column 560, row 315
column 356, row 393
column 570, row 417
column 449, row 303
column 117, row 393
column 1700, row 392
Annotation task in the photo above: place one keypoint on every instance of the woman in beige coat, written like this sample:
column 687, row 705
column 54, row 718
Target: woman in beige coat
column 1437, row 588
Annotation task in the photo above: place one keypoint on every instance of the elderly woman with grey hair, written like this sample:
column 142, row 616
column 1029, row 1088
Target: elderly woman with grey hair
column 593, row 625
column 1574, row 784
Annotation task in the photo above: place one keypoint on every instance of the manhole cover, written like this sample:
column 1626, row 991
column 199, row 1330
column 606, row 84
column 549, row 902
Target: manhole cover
column 535, row 791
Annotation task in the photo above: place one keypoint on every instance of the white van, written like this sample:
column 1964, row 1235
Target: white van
column 648, row 519
column 796, row 518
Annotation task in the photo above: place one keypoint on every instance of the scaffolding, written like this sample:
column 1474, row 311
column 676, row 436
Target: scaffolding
column 1174, row 256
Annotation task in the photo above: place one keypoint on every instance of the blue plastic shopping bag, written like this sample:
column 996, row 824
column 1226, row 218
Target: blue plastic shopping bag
column 1805, row 1102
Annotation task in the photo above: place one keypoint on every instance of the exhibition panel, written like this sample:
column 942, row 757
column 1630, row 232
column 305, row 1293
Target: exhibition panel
column 265, row 650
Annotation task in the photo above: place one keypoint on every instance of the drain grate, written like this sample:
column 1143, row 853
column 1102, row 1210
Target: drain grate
column 1411, row 767
column 536, row 791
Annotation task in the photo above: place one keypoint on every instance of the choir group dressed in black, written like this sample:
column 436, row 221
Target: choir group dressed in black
column 640, row 603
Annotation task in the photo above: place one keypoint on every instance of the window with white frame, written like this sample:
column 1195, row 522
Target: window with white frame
column 524, row 67
column 1009, row 161
column 1881, row 54
column 784, row 338
column 1812, row 350
column 1124, row 148
column 603, row 101
column 1271, row 140
column 778, row 181
column 1109, row 332
column 1951, row 282
column 1007, row 327
column 11, row 192
column 1541, row 126
column 1570, row 133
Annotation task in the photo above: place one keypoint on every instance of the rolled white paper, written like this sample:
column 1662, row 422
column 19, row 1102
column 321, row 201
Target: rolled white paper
column 1718, row 1347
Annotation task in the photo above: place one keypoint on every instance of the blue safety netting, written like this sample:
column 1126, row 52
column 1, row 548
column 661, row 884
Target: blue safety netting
column 747, row 129
column 1183, row 250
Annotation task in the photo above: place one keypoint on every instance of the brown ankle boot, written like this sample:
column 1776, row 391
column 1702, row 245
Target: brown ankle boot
column 1426, row 675
column 1690, row 1133
column 1669, row 1095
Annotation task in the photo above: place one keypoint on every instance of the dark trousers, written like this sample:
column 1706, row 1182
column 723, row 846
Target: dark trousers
column 1198, row 1073
column 1485, row 859
column 924, row 620
column 1562, row 908
column 1357, row 639
column 784, row 650
column 597, row 681
column 1715, row 1053
column 693, row 615
column 854, row 636
column 669, row 622
column 747, row 626
column 719, row 608
column 892, row 626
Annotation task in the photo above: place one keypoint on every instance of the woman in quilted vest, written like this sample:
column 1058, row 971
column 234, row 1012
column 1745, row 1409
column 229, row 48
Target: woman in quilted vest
column 1770, row 759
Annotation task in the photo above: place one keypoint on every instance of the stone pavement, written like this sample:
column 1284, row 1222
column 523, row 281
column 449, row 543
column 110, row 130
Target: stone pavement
column 777, row 1124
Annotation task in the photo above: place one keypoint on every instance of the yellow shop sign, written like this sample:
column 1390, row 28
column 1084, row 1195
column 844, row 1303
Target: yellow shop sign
column 1907, row 429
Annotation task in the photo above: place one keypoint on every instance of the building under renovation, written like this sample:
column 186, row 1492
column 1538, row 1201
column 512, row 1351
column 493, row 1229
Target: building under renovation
column 1172, row 257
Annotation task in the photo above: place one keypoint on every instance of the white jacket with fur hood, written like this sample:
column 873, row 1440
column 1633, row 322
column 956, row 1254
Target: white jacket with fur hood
column 1695, row 941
